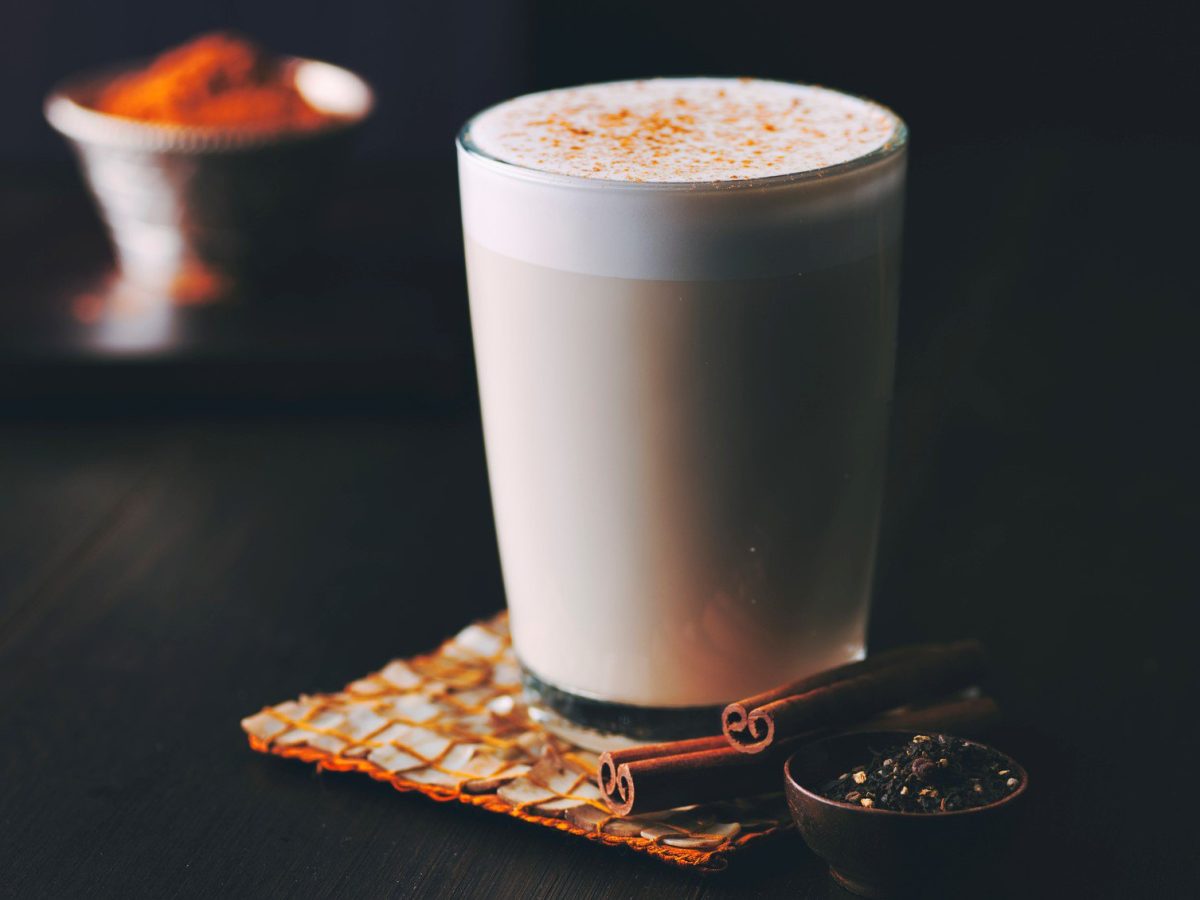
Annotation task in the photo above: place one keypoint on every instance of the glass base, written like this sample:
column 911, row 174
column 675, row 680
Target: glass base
column 602, row 725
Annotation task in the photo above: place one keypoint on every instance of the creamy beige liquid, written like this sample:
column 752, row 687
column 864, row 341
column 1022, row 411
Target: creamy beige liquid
column 686, row 474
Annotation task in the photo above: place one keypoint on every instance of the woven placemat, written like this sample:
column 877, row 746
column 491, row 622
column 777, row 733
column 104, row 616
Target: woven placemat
column 452, row 725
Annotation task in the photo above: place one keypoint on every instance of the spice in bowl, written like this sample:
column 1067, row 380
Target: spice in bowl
column 927, row 774
column 925, row 827
column 217, row 80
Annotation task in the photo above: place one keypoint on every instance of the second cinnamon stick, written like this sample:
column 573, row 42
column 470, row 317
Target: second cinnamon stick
column 852, row 692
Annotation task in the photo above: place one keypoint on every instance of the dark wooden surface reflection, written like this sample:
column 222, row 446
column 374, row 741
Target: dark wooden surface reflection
column 165, row 570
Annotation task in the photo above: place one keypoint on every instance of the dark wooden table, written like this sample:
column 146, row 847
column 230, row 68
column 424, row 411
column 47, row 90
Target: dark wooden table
column 164, row 573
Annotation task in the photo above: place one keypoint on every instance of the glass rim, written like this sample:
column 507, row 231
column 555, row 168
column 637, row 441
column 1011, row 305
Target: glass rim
column 896, row 143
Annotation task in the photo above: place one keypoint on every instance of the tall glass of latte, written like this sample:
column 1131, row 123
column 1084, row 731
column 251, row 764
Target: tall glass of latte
column 683, row 299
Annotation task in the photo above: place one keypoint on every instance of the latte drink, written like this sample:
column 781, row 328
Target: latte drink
column 683, row 300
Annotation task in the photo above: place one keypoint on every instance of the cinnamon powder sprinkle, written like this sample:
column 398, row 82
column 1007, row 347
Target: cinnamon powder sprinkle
column 683, row 130
column 216, row 80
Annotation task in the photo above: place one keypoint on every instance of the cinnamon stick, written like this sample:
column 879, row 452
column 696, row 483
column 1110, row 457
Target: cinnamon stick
column 702, row 770
column 607, row 775
column 851, row 692
column 719, row 772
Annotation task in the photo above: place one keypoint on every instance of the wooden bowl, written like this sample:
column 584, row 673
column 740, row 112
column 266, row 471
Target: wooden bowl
column 879, row 853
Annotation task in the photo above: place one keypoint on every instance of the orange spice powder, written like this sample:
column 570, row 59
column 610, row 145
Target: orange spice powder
column 215, row 80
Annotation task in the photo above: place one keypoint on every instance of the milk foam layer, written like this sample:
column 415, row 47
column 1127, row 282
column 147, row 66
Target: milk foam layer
column 693, row 130
column 686, row 229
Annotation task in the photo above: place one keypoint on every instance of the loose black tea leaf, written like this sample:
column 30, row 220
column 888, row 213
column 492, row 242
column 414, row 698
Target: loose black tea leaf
column 927, row 774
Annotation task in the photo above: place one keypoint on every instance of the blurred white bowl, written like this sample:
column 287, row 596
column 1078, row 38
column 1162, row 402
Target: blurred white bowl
column 197, row 213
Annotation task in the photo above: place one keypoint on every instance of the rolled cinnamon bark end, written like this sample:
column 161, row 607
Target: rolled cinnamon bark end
column 620, row 799
column 748, row 730
column 606, row 775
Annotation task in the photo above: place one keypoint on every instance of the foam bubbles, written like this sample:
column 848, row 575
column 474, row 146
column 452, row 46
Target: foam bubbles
column 683, row 130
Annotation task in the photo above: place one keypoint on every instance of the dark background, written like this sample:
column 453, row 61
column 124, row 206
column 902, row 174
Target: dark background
column 186, row 536
column 955, row 72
